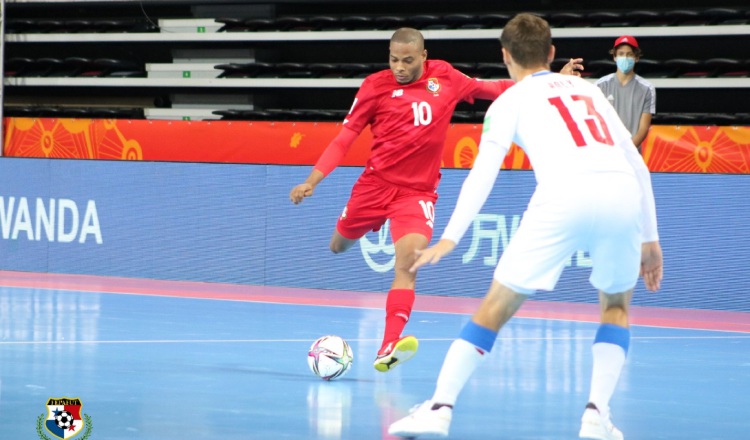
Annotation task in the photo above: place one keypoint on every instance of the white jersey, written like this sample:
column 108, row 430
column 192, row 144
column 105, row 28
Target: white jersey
column 568, row 130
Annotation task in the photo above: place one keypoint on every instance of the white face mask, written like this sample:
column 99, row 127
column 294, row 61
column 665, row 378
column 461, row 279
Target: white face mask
column 625, row 64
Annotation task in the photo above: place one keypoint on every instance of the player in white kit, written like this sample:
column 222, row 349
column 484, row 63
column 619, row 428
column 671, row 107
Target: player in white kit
column 593, row 193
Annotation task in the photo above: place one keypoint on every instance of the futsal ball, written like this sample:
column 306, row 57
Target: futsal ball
column 64, row 419
column 330, row 357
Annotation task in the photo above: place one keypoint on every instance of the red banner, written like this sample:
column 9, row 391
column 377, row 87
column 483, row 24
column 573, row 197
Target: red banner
column 690, row 149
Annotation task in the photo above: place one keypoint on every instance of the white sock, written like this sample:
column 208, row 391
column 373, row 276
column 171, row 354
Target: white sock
column 608, row 362
column 459, row 364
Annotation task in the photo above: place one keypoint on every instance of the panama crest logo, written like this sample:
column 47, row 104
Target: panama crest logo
column 64, row 420
column 433, row 85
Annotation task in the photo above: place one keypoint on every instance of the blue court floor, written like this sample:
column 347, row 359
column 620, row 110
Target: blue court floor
column 161, row 368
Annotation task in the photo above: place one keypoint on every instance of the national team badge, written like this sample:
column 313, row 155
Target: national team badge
column 64, row 420
column 433, row 85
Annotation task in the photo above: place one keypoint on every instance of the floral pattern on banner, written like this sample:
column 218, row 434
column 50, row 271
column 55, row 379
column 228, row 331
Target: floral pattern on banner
column 69, row 139
column 698, row 149
column 679, row 149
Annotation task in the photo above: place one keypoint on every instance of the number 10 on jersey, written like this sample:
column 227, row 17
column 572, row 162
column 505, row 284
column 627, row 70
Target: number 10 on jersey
column 422, row 113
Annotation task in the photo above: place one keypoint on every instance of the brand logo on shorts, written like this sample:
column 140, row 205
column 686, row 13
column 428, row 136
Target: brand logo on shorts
column 64, row 420
column 381, row 255
column 433, row 85
column 343, row 213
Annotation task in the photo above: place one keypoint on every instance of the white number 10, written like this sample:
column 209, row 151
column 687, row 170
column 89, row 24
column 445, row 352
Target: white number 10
column 422, row 113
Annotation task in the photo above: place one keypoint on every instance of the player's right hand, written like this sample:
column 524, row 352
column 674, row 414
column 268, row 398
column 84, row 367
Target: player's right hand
column 652, row 265
column 432, row 254
column 299, row 192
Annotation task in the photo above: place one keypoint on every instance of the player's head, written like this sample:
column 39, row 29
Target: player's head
column 407, row 55
column 626, row 53
column 527, row 42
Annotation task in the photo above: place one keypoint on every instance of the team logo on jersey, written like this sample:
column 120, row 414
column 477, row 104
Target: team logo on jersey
column 433, row 85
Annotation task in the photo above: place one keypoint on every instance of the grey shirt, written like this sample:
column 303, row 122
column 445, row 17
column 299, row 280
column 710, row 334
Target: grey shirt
column 630, row 101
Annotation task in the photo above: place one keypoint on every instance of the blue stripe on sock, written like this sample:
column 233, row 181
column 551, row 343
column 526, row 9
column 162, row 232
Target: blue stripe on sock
column 613, row 334
column 481, row 337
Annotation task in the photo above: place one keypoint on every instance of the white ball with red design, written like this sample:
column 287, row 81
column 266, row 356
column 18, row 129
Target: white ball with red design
column 330, row 357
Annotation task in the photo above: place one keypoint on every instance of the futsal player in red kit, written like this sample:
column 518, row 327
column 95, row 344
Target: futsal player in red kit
column 409, row 109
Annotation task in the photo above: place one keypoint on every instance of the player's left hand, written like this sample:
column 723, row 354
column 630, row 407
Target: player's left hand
column 432, row 254
column 573, row 67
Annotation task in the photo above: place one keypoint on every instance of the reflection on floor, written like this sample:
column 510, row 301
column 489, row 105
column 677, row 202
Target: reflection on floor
column 172, row 360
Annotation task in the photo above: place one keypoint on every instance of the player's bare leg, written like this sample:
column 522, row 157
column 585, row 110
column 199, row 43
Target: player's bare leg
column 609, row 351
column 615, row 308
column 498, row 306
column 339, row 243
column 396, row 349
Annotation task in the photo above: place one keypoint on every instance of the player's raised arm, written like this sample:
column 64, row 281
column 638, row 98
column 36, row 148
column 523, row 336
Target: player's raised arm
column 492, row 89
column 329, row 160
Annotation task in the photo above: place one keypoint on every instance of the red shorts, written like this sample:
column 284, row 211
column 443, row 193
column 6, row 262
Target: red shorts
column 373, row 201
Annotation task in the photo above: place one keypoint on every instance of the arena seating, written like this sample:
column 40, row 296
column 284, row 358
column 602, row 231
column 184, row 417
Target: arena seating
column 215, row 51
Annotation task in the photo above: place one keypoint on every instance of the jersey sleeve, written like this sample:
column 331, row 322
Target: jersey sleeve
column 363, row 108
column 497, row 136
column 474, row 88
column 492, row 89
column 336, row 151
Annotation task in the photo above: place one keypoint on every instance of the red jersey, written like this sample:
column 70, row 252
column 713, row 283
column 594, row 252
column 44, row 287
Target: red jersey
column 409, row 122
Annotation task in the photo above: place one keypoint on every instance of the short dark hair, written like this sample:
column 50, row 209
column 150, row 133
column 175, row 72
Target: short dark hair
column 407, row 36
column 528, row 39
column 636, row 50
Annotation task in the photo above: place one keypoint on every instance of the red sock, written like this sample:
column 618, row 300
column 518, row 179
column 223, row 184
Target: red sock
column 397, row 311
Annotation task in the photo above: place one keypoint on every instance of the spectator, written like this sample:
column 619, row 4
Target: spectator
column 633, row 97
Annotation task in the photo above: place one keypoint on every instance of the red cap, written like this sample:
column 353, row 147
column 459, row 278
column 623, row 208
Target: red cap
column 626, row 39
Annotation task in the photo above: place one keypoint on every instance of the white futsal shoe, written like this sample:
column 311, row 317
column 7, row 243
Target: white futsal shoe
column 594, row 426
column 424, row 422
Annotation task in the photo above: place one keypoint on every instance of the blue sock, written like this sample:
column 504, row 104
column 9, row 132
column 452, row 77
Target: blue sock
column 481, row 337
column 614, row 334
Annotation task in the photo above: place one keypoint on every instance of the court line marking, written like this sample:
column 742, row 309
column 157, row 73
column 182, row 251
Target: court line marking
column 646, row 316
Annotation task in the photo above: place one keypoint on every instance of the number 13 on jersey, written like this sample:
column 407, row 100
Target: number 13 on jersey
column 592, row 120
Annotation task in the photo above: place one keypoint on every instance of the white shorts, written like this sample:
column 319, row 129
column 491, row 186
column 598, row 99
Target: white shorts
column 602, row 217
